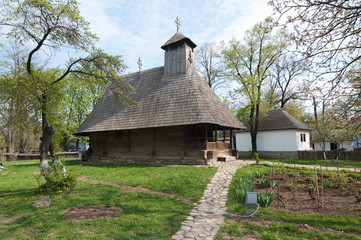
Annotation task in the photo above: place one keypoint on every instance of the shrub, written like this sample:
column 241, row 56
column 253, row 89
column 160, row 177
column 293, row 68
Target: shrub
column 57, row 182
column 255, row 156
column 244, row 185
column 264, row 199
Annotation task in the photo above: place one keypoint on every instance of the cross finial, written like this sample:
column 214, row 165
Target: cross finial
column 178, row 23
column 140, row 64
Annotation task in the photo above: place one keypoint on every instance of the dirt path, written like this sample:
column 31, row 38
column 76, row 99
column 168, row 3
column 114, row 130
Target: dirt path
column 127, row 188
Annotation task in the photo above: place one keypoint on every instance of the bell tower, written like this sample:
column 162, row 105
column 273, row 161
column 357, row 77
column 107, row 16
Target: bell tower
column 179, row 54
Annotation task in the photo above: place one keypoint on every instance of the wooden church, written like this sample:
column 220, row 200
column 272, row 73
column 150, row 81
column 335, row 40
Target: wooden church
column 176, row 117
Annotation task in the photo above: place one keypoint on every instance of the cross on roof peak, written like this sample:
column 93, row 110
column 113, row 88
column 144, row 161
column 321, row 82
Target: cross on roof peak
column 140, row 64
column 178, row 23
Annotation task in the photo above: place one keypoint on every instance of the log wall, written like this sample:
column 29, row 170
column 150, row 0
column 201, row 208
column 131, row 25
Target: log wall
column 144, row 146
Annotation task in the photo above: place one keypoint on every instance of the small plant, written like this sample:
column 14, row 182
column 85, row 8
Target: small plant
column 244, row 185
column 258, row 174
column 289, row 186
column 339, row 178
column 264, row 199
column 301, row 186
column 327, row 184
column 311, row 190
column 264, row 182
column 275, row 184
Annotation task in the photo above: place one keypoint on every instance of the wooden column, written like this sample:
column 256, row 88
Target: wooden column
column 216, row 133
column 206, row 137
column 231, row 137
column 224, row 134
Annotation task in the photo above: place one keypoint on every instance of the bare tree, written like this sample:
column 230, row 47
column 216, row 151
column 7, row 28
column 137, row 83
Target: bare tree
column 209, row 65
column 286, row 78
column 327, row 32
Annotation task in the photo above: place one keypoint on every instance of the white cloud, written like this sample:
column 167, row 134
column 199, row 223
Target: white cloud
column 138, row 28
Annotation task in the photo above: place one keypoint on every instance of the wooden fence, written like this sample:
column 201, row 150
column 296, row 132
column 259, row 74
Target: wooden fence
column 30, row 156
column 342, row 155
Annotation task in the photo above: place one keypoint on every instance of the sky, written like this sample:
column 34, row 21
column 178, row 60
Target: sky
column 138, row 28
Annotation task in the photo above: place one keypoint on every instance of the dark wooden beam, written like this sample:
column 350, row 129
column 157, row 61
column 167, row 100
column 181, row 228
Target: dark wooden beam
column 129, row 144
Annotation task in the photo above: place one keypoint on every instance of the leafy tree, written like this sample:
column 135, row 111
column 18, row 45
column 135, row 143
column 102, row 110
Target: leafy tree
column 330, row 130
column 209, row 64
column 82, row 93
column 296, row 109
column 46, row 26
column 249, row 64
column 18, row 124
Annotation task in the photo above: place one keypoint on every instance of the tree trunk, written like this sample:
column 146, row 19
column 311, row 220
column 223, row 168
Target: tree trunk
column 48, row 132
column 11, row 140
column 253, row 130
column 11, row 132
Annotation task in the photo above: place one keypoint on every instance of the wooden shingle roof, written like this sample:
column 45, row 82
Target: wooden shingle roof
column 176, row 38
column 161, row 101
column 279, row 119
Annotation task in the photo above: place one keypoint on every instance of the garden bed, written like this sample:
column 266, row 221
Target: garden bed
column 299, row 193
column 298, row 213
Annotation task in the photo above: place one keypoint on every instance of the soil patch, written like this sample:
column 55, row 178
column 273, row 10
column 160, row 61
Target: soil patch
column 127, row 188
column 10, row 219
column 36, row 172
column 5, row 174
column 92, row 212
column 300, row 195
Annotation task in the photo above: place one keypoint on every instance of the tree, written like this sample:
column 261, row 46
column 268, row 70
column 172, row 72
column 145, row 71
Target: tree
column 249, row 63
column 209, row 65
column 347, row 107
column 18, row 124
column 82, row 93
column 328, row 129
column 286, row 75
column 46, row 26
column 328, row 33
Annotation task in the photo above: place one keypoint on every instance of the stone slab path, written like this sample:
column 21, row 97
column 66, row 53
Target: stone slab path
column 206, row 218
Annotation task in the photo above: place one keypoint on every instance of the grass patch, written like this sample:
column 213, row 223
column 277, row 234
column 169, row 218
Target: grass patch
column 281, row 224
column 143, row 216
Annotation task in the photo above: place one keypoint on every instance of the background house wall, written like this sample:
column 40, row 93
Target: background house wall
column 276, row 140
column 345, row 145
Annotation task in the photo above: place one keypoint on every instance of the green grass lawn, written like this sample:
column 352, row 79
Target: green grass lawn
column 325, row 163
column 143, row 216
column 275, row 224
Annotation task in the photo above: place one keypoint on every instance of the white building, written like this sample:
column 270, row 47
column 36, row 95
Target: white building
column 279, row 135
